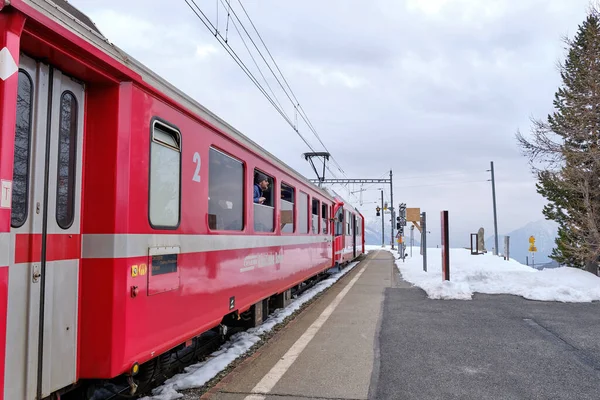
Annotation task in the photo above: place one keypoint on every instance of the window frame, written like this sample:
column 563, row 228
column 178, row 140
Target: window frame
column 308, row 218
column 28, row 174
column 348, row 225
column 244, row 192
column 325, row 207
column 72, row 162
column 337, row 224
column 318, row 214
column 295, row 205
column 172, row 127
column 274, row 182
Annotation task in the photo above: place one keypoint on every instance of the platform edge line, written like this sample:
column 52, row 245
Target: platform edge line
column 268, row 382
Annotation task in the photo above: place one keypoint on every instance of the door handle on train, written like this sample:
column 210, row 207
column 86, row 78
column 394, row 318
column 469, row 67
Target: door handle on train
column 37, row 274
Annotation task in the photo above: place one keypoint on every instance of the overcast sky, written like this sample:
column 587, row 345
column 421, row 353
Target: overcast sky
column 434, row 89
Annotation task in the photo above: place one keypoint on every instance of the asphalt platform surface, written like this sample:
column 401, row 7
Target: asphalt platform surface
column 386, row 340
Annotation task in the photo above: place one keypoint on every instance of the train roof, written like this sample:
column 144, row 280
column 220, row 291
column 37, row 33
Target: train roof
column 84, row 19
column 69, row 17
column 340, row 199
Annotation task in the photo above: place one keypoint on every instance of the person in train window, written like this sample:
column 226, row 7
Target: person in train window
column 261, row 183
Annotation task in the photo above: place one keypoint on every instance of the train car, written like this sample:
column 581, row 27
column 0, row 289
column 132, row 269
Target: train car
column 349, row 231
column 132, row 219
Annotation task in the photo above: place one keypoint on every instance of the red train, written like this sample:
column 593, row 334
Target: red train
column 128, row 221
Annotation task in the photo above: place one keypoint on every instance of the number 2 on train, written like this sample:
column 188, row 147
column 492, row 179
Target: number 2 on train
column 198, row 162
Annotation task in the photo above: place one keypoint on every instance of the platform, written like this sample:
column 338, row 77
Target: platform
column 373, row 336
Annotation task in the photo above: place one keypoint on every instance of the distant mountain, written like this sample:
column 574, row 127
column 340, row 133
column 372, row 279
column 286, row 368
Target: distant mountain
column 545, row 233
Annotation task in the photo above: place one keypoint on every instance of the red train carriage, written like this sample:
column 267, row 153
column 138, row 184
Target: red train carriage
column 349, row 231
column 128, row 223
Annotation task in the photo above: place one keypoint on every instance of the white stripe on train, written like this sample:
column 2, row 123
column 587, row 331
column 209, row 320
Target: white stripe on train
column 138, row 245
column 4, row 249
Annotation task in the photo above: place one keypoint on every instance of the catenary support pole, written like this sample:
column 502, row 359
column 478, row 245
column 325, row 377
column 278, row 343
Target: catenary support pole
column 412, row 238
column 424, row 239
column 382, row 222
column 392, row 208
column 495, row 215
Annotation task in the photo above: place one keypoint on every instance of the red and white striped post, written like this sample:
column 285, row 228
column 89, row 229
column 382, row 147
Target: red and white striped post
column 445, row 246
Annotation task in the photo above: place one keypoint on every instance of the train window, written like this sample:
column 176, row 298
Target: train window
column 20, row 191
column 348, row 220
column 264, row 211
column 165, row 182
column 339, row 225
column 67, row 161
column 315, row 215
column 287, row 208
column 324, row 222
column 303, row 213
column 225, row 192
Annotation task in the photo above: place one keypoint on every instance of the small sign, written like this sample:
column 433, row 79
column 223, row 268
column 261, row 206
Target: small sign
column 5, row 194
column 164, row 264
column 532, row 248
column 134, row 271
column 143, row 269
column 413, row 214
column 531, row 240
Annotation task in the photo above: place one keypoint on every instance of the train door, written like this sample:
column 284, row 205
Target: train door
column 354, row 232
column 41, row 349
column 339, row 234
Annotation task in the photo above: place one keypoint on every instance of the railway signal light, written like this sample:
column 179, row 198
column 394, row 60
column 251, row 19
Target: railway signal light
column 403, row 209
column 378, row 209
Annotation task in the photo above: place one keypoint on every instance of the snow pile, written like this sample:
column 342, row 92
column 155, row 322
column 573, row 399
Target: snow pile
column 198, row 375
column 493, row 275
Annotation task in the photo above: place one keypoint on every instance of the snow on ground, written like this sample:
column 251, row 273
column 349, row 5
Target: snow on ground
column 493, row 275
column 199, row 374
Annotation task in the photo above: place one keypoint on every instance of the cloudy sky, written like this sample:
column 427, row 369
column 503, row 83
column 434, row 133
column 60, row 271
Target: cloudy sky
column 434, row 89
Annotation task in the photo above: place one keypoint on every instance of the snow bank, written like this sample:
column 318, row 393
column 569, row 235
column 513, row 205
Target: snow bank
column 493, row 275
column 198, row 375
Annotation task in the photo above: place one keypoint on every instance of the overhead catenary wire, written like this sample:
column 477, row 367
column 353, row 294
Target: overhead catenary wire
column 291, row 96
column 432, row 176
column 254, row 60
column 204, row 19
column 223, row 42
column 295, row 100
column 439, row 184
column 238, row 60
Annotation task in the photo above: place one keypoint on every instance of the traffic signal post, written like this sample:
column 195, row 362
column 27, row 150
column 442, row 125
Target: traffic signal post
column 400, row 224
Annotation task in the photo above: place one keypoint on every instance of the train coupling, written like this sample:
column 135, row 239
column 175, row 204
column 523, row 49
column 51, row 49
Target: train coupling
column 132, row 385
